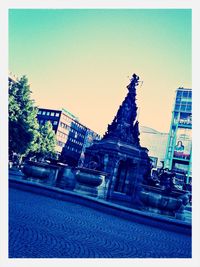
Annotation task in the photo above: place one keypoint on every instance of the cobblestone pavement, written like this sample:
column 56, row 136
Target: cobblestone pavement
column 43, row 227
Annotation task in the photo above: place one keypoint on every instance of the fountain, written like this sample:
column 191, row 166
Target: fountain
column 118, row 153
column 161, row 195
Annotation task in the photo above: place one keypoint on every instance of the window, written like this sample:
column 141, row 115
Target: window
column 59, row 143
column 183, row 106
column 189, row 107
column 43, row 112
column 39, row 112
column 178, row 100
column 52, row 113
column 177, row 107
column 179, row 93
column 57, row 114
column 48, row 113
column 55, row 123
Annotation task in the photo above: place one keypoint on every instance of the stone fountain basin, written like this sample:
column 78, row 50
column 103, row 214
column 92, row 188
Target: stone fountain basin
column 158, row 198
column 36, row 170
column 89, row 177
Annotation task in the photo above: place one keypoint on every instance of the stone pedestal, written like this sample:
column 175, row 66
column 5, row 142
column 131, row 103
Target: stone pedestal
column 125, row 164
column 66, row 178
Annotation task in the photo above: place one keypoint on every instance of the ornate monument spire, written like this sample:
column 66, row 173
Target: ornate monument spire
column 124, row 127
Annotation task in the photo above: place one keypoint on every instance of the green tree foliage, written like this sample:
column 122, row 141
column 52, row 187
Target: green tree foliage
column 23, row 125
column 26, row 136
column 46, row 142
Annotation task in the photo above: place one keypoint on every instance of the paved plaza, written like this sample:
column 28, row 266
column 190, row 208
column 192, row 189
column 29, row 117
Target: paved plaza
column 44, row 227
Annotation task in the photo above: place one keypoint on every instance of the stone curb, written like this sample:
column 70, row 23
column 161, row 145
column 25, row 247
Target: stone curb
column 154, row 220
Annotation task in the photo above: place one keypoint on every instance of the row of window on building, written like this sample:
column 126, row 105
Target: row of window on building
column 71, row 148
column 64, row 125
column 52, row 122
column 183, row 106
column 48, row 113
column 62, row 135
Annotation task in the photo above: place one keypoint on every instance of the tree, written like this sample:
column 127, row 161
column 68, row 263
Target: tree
column 46, row 142
column 23, row 125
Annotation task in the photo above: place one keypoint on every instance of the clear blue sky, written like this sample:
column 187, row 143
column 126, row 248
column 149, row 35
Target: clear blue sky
column 82, row 60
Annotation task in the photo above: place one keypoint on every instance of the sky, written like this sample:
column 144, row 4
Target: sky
column 83, row 59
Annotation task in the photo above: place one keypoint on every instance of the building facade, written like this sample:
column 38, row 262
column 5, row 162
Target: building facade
column 57, row 120
column 71, row 135
column 90, row 137
column 74, row 144
column 179, row 148
column 156, row 143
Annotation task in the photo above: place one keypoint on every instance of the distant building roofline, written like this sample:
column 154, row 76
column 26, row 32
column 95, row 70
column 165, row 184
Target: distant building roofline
column 49, row 109
column 183, row 89
column 70, row 114
column 145, row 129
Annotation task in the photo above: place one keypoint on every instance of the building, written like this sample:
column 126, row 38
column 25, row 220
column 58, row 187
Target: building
column 71, row 135
column 74, row 144
column 156, row 143
column 179, row 148
column 90, row 136
column 58, row 121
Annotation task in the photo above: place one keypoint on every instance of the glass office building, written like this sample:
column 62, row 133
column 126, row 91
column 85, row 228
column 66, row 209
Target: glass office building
column 179, row 148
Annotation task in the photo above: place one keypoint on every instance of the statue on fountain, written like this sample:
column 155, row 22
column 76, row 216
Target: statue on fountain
column 124, row 126
column 162, row 178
